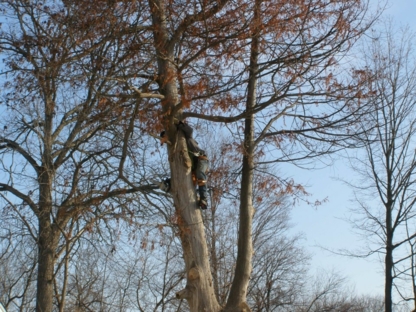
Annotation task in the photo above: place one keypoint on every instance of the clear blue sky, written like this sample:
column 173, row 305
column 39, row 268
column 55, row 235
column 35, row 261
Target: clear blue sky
column 323, row 226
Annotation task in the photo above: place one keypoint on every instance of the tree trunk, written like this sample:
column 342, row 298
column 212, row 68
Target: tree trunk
column 388, row 303
column 48, row 237
column 238, row 293
column 213, row 256
column 199, row 290
column 47, row 244
column 413, row 270
column 389, row 281
column 46, row 263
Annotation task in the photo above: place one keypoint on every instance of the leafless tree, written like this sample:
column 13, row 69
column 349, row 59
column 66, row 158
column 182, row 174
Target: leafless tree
column 329, row 292
column 387, row 164
column 17, row 270
column 69, row 153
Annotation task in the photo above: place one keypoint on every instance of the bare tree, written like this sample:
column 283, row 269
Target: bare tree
column 279, row 268
column 388, row 163
column 17, row 270
column 269, row 133
column 67, row 161
column 328, row 292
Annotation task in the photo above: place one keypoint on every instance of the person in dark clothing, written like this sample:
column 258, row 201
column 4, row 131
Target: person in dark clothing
column 200, row 162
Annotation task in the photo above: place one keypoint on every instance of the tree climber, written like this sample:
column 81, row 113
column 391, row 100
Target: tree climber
column 199, row 160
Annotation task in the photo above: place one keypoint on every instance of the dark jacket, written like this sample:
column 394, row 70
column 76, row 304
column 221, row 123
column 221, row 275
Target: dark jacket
column 190, row 142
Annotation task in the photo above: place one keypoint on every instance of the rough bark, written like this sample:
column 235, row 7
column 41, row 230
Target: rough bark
column 48, row 236
column 46, row 262
column 199, row 290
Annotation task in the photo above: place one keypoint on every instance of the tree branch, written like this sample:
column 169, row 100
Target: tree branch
column 16, row 147
column 15, row 192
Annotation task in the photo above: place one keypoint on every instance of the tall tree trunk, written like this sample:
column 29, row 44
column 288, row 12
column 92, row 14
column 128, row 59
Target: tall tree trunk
column 199, row 290
column 48, row 236
column 413, row 270
column 388, row 286
column 238, row 292
column 388, row 280
column 213, row 256
column 47, row 245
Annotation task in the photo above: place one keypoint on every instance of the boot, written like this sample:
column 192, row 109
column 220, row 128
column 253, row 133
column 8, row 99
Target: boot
column 203, row 204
